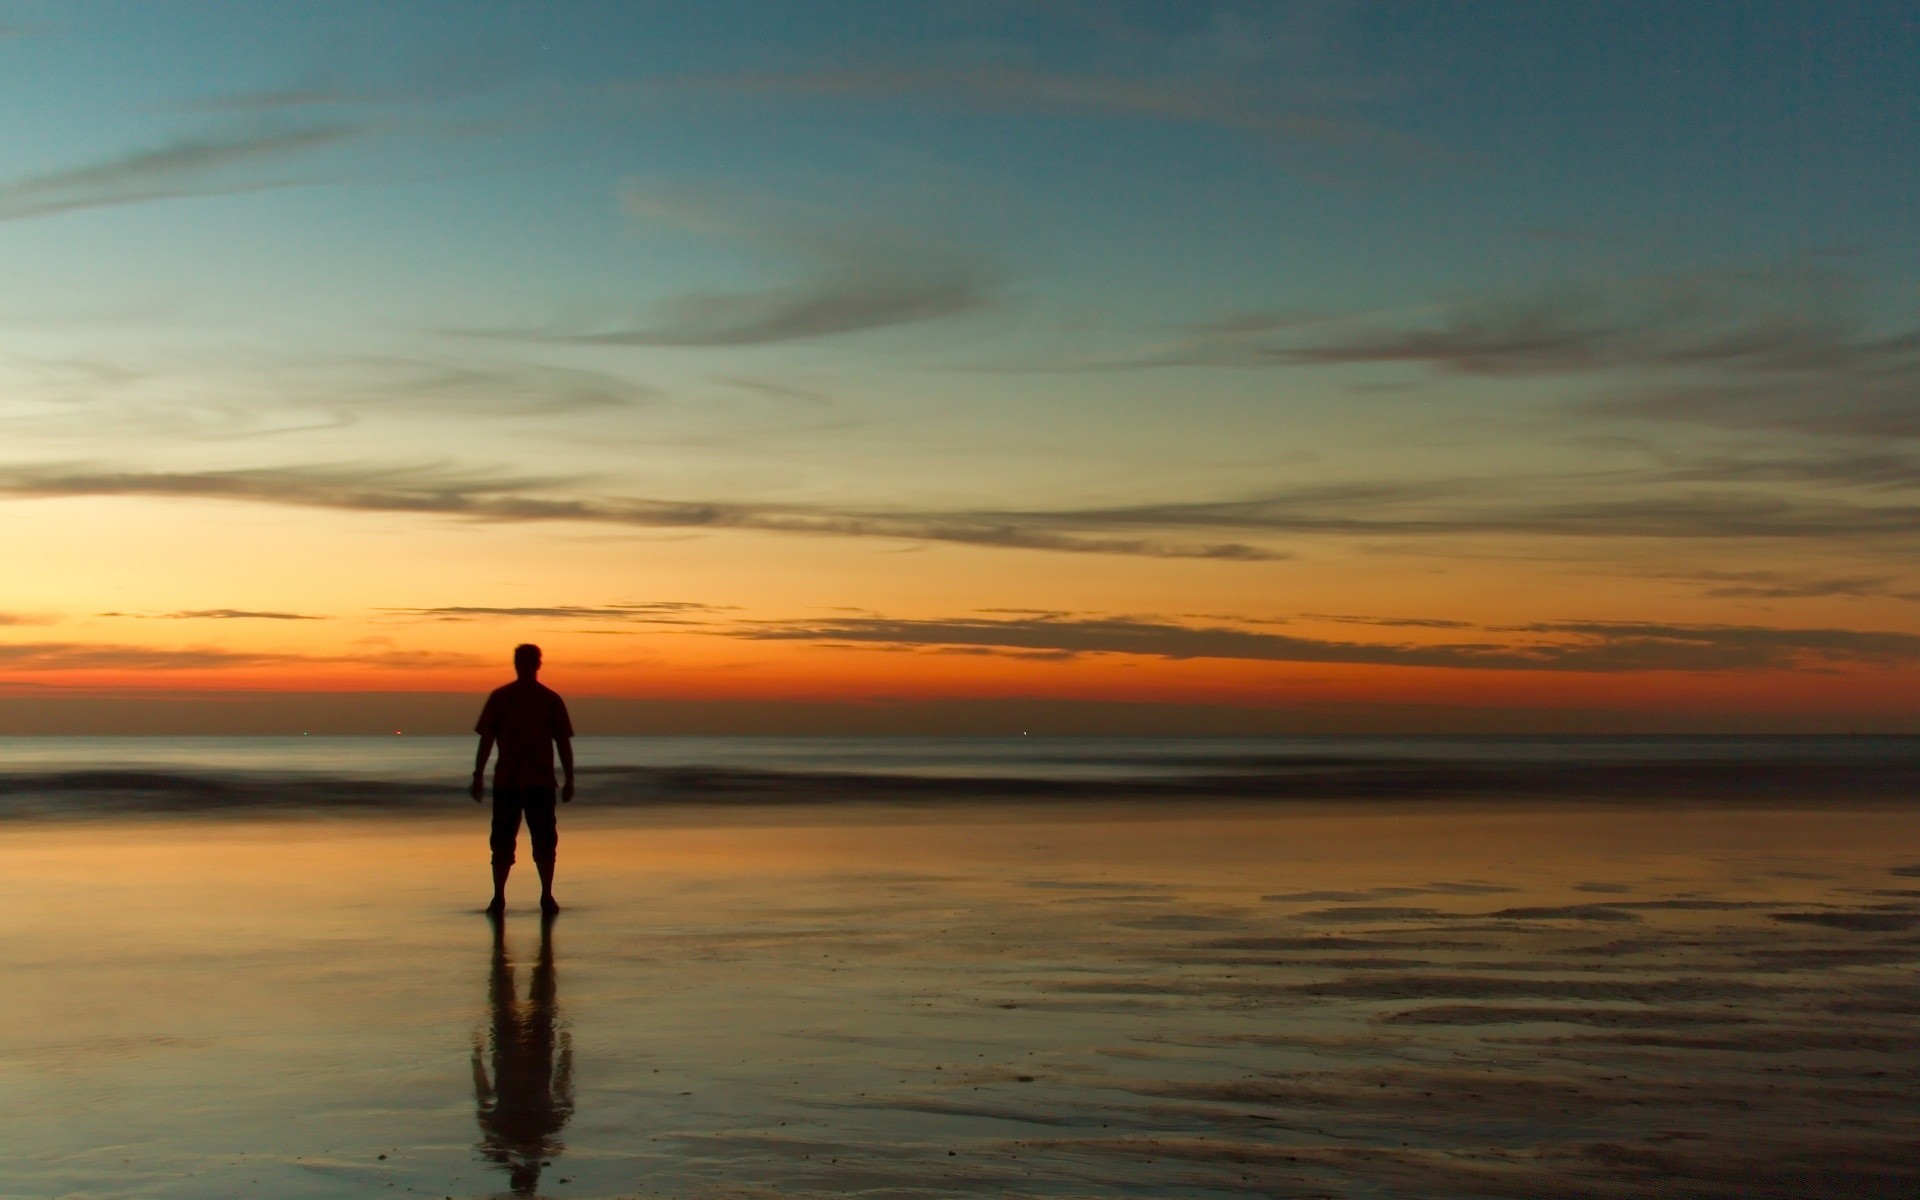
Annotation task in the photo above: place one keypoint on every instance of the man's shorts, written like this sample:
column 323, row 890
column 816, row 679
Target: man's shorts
column 537, row 805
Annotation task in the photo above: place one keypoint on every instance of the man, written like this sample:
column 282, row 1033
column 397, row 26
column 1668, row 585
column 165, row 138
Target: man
column 526, row 720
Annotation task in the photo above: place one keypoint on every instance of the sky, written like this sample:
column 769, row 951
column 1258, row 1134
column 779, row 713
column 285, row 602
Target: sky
column 1389, row 367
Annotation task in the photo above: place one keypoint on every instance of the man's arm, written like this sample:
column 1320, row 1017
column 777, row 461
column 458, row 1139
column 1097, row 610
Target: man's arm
column 479, row 784
column 565, row 745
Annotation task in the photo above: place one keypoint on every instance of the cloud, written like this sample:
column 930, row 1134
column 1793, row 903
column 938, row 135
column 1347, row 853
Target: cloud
column 203, row 166
column 1393, row 622
column 313, row 95
column 1499, row 506
column 1783, row 585
column 1439, row 509
column 237, row 614
column 496, row 497
column 659, row 612
column 443, row 81
column 1654, row 646
column 205, row 396
column 1881, row 401
column 97, row 656
column 784, row 391
column 857, row 278
column 507, row 388
column 1185, row 100
column 1877, row 468
column 1763, row 323
column 214, row 614
column 82, row 656
column 848, row 299
column 1269, row 72
column 1583, row 646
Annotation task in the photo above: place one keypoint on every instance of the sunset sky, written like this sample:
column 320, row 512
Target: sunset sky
column 1329, row 365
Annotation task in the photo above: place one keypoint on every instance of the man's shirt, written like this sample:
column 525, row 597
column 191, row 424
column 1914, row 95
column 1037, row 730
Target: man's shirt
column 523, row 719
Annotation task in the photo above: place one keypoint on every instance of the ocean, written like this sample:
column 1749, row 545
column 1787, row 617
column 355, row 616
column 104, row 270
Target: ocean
column 50, row 776
column 966, row 967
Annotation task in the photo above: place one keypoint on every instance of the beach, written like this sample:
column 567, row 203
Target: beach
column 1467, row 997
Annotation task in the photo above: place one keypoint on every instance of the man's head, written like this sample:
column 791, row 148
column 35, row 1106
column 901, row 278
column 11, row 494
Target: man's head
column 526, row 660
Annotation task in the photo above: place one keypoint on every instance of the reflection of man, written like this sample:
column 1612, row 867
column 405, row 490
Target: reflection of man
column 526, row 720
column 526, row 1103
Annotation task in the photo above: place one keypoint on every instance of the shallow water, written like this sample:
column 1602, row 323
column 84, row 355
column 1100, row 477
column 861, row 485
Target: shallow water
column 1445, row 999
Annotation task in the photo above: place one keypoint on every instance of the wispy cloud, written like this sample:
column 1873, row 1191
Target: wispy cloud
column 95, row 656
column 82, row 656
column 1518, row 507
column 1190, row 100
column 499, row 497
column 784, row 391
column 1573, row 646
column 1791, row 585
column 1799, row 323
column 1393, row 622
column 1878, row 469
column 659, row 612
column 467, row 385
column 1501, row 506
column 238, row 614
column 309, row 95
column 197, row 166
column 220, row 614
column 1272, row 73
column 856, row 278
column 847, row 298
column 1882, row 401
column 436, row 82
column 206, row 396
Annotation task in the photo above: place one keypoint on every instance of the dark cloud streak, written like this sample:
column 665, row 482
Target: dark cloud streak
column 202, row 166
column 855, row 278
column 661, row 612
column 1759, row 324
column 1009, row 88
column 840, row 303
column 503, row 498
column 1426, row 510
column 238, row 614
column 1569, row 646
column 1501, row 507
column 96, row 656
column 1789, row 350
column 1780, row 585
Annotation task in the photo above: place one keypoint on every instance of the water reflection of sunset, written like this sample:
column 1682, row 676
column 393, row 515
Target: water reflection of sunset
column 839, row 995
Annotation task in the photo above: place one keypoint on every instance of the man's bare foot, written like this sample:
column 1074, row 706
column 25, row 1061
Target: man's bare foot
column 549, row 905
column 498, row 908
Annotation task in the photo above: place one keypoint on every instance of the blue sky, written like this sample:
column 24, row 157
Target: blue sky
column 1510, row 293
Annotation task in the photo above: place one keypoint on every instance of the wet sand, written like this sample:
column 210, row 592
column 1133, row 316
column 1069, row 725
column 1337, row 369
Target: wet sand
column 1447, row 999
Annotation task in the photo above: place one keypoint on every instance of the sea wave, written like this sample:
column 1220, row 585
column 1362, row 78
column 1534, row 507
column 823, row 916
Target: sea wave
column 1784, row 774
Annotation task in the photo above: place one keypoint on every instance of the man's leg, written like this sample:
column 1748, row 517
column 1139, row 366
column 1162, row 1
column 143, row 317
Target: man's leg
column 506, row 831
column 545, row 837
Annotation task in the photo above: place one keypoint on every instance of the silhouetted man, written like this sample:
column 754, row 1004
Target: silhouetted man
column 526, row 1101
column 526, row 720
